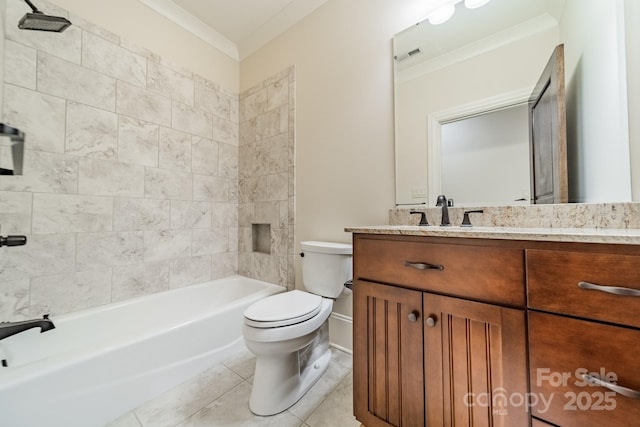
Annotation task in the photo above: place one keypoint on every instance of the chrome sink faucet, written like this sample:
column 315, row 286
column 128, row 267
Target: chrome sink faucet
column 11, row 328
column 442, row 202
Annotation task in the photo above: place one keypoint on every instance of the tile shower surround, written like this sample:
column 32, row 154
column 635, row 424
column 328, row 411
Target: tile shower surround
column 131, row 181
column 267, row 178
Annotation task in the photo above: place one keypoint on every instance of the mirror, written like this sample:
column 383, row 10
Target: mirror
column 490, row 58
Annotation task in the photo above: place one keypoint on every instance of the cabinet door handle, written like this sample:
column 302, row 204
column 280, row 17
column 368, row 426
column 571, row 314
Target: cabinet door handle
column 627, row 392
column 423, row 265
column 413, row 316
column 616, row 290
column 431, row 321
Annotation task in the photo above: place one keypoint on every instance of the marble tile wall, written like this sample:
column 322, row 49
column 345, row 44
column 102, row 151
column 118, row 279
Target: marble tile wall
column 266, row 190
column 131, row 173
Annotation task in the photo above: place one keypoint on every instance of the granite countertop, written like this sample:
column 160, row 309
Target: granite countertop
column 585, row 235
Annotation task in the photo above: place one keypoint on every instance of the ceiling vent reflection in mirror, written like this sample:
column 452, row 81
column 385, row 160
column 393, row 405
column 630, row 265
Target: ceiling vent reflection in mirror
column 401, row 57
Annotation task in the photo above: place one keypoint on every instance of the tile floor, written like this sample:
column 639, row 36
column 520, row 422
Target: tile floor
column 220, row 396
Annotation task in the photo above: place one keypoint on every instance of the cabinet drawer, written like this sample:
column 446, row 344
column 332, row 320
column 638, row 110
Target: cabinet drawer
column 556, row 282
column 483, row 273
column 561, row 349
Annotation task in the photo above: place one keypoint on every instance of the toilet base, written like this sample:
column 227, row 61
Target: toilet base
column 278, row 384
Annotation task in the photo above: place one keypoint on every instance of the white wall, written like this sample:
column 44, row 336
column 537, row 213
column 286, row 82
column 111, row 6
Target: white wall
column 137, row 23
column 632, row 15
column 344, row 115
column 344, row 107
column 597, row 118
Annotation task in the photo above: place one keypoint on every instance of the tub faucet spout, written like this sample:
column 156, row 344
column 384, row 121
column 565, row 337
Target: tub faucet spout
column 8, row 329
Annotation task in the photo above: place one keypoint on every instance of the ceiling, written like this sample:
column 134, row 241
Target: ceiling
column 241, row 27
column 236, row 27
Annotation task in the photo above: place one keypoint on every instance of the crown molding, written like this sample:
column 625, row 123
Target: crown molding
column 184, row 19
column 293, row 12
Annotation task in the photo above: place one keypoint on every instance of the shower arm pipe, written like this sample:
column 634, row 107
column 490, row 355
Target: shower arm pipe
column 32, row 6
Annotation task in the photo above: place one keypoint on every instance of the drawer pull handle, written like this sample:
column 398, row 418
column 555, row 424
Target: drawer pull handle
column 423, row 265
column 610, row 289
column 627, row 392
column 413, row 316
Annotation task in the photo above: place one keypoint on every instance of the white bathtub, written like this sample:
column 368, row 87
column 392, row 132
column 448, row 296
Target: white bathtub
column 99, row 363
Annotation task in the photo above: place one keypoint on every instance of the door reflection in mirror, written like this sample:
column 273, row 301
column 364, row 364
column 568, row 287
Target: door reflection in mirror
column 485, row 157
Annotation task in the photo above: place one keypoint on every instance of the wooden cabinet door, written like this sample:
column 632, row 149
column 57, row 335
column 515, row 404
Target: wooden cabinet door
column 475, row 364
column 388, row 373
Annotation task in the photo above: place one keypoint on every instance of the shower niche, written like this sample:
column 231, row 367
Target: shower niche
column 261, row 238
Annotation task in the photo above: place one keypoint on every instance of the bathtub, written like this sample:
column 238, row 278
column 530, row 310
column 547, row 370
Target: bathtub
column 102, row 362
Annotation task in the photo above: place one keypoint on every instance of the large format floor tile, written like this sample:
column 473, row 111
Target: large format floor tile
column 220, row 396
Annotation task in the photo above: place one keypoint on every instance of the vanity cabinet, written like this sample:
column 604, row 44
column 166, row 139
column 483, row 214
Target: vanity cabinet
column 495, row 332
column 430, row 348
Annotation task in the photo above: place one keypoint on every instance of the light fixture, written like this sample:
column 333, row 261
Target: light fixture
column 442, row 14
column 474, row 4
column 446, row 8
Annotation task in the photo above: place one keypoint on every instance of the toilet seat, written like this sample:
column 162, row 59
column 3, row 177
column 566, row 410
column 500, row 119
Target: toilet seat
column 287, row 308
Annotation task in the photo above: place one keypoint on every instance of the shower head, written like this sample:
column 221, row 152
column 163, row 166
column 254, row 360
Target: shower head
column 41, row 22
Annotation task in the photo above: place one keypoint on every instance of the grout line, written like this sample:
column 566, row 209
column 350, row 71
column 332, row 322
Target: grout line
column 140, row 423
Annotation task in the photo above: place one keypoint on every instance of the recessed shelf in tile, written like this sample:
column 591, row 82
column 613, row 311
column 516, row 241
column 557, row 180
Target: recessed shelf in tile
column 261, row 238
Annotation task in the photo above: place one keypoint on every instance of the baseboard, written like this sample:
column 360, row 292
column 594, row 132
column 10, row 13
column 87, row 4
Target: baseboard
column 341, row 332
column 339, row 347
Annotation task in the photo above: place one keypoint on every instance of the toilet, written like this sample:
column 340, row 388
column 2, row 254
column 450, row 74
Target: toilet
column 289, row 332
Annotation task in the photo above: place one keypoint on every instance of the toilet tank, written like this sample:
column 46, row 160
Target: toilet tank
column 326, row 267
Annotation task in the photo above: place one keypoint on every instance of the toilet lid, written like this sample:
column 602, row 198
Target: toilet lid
column 283, row 309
